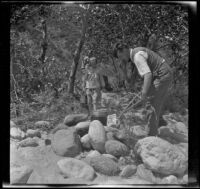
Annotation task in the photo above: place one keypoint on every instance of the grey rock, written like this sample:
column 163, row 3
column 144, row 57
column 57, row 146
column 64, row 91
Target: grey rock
column 73, row 168
column 160, row 156
column 116, row 148
column 128, row 171
column 20, row 174
column 66, row 143
column 104, row 165
column 73, row 119
column 28, row 142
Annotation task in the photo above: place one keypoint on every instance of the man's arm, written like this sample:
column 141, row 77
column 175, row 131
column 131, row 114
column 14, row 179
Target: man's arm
column 147, row 84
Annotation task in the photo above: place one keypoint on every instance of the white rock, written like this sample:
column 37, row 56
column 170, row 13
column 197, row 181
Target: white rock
column 73, row 168
column 16, row 133
column 170, row 180
column 85, row 140
column 12, row 124
column 97, row 135
column 162, row 157
column 20, row 175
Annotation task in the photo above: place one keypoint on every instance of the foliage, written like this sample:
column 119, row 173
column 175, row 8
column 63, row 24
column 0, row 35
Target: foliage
column 44, row 40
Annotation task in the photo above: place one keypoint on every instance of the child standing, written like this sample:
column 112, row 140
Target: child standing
column 92, row 85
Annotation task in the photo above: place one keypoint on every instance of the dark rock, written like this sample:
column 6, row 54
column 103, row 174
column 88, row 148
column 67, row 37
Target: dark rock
column 100, row 115
column 73, row 119
column 104, row 165
column 116, row 148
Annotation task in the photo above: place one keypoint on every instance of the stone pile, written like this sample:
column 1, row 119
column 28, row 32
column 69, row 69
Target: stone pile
column 87, row 149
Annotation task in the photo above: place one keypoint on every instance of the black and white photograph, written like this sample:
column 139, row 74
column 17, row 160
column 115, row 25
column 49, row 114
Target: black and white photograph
column 99, row 94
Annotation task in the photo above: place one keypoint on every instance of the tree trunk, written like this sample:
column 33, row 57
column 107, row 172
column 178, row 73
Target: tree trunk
column 72, row 76
column 44, row 46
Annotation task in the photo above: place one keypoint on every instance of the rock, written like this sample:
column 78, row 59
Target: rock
column 104, row 165
column 101, row 115
column 110, row 156
column 185, row 179
column 138, row 132
column 12, row 124
column 42, row 124
column 44, row 135
column 60, row 126
column 171, row 179
column 93, row 153
column 177, row 131
column 160, row 156
column 73, row 168
column 110, row 129
column 145, row 173
column 16, row 133
column 33, row 133
column 85, row 141
column 126, row 160
column 183, row 147
column 73, row 119
column 110, row 136
column 47, row 142
column 97, row 136
column 128, row 171
column 66, row 143
column 116, row 148
column 28, row 142
column 82, row 127
column 120, row 135
column 20, row 174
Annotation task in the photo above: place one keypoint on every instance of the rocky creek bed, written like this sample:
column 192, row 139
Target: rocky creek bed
column 82, row 151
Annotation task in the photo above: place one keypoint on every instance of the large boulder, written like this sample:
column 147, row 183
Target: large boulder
column 82, row 127
column 73, row 168
column 73, row 119
column 116, row 148
column 104, row 165
column 28, row 142
column 128, row 171
column 33, row 133
column 85, row 141
column 160, row 156
column 97, row 136
column 145, row 173
column 178, row 132
column 20, row 174
column 66, row 143
column 16, row 133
